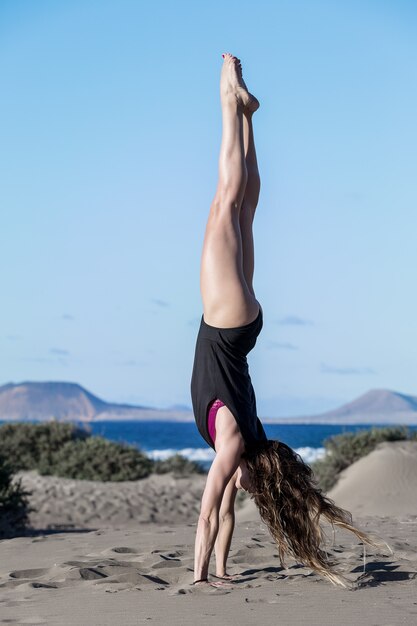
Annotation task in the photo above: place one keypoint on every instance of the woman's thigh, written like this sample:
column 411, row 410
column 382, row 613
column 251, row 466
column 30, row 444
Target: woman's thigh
column 227, row 300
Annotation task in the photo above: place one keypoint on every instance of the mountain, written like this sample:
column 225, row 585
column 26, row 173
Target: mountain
column 377, row 402
column 377, row 406
column 70, row 402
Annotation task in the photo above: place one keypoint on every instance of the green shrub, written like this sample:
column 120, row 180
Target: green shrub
column 14, row 507
column 26, row 445
column 179, row 465
column 97, row 458
column 68, row 451
column 343, row 450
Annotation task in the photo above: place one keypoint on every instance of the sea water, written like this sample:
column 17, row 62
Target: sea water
column 160, row 440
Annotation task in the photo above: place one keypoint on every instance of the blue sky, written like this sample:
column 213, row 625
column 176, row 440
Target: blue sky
column 110, row 129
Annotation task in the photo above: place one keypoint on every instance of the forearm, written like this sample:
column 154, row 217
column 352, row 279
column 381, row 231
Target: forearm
column 223, row 542
column 207, row 529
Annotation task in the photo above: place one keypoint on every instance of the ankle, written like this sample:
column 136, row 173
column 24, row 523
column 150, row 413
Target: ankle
column 230, row 101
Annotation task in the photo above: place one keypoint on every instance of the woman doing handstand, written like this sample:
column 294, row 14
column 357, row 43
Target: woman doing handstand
column 223, row 398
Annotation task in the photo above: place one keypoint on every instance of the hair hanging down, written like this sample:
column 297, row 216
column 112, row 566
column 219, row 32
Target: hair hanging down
column 291, row 504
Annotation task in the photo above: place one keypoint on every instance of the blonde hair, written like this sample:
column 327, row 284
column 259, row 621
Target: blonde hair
column 291, row 505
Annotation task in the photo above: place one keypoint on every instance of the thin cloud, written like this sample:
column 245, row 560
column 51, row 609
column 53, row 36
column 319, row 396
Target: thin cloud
column 67, row 316
column 294, row 320
column 162, row 303
column 58, row 358
column 281, row 345
column 59, row 352
column 346, row 371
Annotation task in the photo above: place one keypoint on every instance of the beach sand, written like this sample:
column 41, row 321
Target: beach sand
column 126, row 557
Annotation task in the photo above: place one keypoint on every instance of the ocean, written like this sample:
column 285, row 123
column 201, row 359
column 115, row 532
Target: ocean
column 159, row 440
column 162, row 439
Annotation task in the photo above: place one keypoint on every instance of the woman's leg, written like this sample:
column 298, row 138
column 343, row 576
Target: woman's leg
column 227, row 299
column 227, row 302
column 250, row 201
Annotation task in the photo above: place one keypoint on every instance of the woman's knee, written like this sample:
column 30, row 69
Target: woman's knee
column 226, row 203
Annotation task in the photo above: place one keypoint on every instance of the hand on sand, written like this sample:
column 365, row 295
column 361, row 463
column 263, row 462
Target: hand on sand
column 229, row 577
column 220, row 583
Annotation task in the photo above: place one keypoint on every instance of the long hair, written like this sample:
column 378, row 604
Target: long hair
column 291, row 505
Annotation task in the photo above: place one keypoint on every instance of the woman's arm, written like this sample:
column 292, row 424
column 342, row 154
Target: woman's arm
column 226, row 526
column 221, row 471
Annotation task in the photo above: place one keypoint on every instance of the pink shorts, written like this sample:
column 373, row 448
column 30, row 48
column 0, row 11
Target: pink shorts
column 211, row 420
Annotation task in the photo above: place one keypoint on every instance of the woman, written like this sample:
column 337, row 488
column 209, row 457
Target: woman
column 222, row 394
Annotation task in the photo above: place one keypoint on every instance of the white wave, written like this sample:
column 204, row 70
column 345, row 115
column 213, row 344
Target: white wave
column 206, row 455
column 309, row 455
column 192, row 454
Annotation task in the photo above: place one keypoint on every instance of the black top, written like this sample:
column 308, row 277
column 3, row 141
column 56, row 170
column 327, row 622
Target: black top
column 221, row 371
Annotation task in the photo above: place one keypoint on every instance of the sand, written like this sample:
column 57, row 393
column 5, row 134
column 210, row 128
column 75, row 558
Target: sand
column 111, row 569
column 67, row 503
column 382, row 483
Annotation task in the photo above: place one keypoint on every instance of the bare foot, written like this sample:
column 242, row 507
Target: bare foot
column 233, row 85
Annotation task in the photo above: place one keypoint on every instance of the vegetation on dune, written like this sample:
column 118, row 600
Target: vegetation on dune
column 26, row 446
column 96, row 458
column 343, row 450
column 14, row 506
column 179, row 465
column 66, row 450
column 69, row 451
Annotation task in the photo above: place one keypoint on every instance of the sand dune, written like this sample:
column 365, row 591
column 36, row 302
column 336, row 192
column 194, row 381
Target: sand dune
column 68, row 503
column 382, row 483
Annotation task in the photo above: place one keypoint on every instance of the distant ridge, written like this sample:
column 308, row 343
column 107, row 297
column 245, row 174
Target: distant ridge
column 377, row 406
column 66, row 401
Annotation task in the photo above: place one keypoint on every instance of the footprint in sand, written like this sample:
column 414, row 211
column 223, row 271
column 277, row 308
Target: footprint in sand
column 28, row 573
column 44, row 585
column 124, row 550
column 167, row 564
column 111, row 571
column 91, row 573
